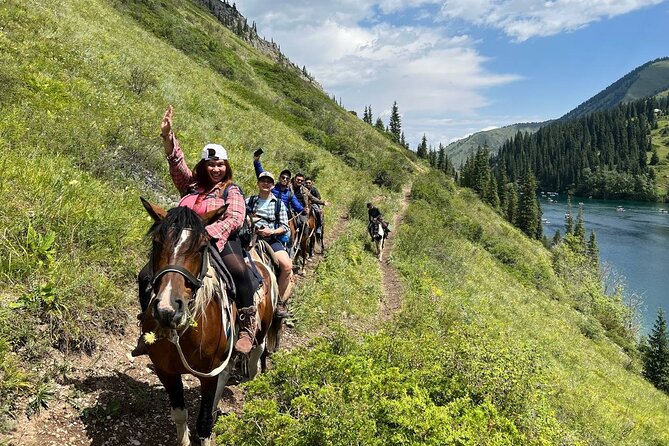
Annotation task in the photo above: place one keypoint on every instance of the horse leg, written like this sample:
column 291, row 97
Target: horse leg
column 175, row 390
column 208, row 397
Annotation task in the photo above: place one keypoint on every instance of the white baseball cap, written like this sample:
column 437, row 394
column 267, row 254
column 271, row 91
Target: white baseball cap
column 214, row 151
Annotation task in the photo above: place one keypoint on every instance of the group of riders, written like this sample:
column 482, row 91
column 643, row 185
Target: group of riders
column 208, row 186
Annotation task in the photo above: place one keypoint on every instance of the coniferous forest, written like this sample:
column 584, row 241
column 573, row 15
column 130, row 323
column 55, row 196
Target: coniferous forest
column 603, row 155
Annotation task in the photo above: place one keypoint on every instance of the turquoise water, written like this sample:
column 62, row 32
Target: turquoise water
column 634, row 241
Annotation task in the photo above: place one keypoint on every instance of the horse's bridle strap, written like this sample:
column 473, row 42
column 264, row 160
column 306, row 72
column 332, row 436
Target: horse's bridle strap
column 195, row 281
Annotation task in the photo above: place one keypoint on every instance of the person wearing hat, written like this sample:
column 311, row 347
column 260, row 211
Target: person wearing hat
column 205, row 188
column 282, row 189
column 271, row 221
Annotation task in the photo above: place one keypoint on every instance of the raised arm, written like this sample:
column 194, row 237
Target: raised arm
column 179, row 171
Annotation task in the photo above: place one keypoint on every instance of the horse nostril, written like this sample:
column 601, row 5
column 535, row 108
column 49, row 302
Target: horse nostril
column 180, row 304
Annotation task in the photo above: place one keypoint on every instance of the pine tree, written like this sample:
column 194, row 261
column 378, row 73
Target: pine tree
column 511, row 209
column 579, row 228
column 490, row 194
column 403, row 141
column 556, row 238
column 654, row 159
column 432, row 157
column 379, row 125
column 527, row 206
column 422, row 148
column 369, row 119
column 568, row 219
column 593, row 250
column 395, row 123
column 441, row 158
column 656, row 354
column 539, row 234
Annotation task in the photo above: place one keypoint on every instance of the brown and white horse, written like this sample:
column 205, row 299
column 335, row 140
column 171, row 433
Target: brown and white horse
column 190, row 322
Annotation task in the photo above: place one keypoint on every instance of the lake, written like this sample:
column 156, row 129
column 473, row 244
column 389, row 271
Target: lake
column 634, row 241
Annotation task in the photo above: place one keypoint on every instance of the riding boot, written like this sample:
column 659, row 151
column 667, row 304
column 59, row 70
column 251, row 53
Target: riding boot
column 140, row 349
column 247, row 330
column 281, row 312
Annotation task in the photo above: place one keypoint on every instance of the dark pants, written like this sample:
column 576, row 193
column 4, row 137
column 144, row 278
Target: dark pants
column 233, row 258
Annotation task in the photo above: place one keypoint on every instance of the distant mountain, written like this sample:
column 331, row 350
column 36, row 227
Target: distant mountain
column 459, row 150
column 649, row 79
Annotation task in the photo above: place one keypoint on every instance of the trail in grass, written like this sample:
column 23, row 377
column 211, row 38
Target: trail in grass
column 112, row 399
column 393, row 290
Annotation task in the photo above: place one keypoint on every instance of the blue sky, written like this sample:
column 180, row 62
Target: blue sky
column 459, row 66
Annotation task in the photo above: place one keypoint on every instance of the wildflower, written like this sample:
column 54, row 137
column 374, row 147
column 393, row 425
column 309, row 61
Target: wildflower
column 149, row 338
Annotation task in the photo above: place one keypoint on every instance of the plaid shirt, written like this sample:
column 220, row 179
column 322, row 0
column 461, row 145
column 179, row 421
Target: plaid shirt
column 182, row 177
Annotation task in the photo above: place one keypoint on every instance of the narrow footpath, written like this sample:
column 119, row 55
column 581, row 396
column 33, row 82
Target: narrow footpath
column 112, row 399
column 393, row 290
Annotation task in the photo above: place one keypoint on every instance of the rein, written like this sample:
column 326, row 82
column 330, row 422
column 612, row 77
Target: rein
column 174, row 339
column 174, row 335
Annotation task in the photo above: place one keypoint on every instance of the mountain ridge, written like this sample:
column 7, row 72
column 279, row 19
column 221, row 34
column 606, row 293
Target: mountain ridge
column 649, row 79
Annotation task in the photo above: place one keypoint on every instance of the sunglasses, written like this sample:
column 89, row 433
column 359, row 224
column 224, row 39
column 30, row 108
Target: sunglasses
column 284, row 177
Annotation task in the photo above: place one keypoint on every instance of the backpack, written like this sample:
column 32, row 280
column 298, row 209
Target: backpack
column 251, row 207
column 244, row 233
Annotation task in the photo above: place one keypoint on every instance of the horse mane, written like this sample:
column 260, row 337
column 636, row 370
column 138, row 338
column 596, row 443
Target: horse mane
column 165, row 233
column 177, row 219
column 210, row 288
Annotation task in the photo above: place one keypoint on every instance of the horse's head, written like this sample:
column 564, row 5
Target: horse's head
column 179, row 242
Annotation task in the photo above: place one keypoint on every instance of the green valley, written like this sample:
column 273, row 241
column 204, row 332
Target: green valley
column 498, row 341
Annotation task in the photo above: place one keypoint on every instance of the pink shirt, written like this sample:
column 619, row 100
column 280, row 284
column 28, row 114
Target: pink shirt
column 202, row 201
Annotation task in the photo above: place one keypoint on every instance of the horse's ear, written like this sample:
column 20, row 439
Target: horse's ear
column 214, row 215
column 155, row 211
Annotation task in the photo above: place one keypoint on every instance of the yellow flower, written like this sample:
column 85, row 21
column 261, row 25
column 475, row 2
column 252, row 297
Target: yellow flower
column 150, row 338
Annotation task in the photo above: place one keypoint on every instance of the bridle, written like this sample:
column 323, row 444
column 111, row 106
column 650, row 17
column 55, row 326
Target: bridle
column 174, row 268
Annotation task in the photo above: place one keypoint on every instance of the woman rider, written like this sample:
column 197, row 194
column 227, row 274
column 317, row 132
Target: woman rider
column 263, row 210
column 207, row 187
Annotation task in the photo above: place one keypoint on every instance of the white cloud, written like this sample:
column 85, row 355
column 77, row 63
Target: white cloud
column 524, row 19
column 376, row 52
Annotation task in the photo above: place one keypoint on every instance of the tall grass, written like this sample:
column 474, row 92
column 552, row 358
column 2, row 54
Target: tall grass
column 84, row 85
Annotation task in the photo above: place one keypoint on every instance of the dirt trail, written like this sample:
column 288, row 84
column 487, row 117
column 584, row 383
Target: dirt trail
column 111, row 399
column 392, row 285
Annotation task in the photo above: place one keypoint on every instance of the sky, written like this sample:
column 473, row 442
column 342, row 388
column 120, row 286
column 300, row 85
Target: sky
column 456, row 67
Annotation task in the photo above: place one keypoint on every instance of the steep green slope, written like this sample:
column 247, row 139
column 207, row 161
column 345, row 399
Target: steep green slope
column 459, row 150
column 660, row 142
column 647, row 80
column 84, row 84
column 488, row 349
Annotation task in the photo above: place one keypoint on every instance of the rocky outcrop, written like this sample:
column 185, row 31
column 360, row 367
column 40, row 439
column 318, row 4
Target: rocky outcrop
column 229, row 16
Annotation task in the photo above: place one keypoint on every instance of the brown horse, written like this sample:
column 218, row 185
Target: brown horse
column 306, row 238
column 189, row 324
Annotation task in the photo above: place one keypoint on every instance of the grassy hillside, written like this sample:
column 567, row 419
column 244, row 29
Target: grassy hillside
column 84, row 84
column 492, row 346
column 488, row 347
column 647, row 80
column 660, row 138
